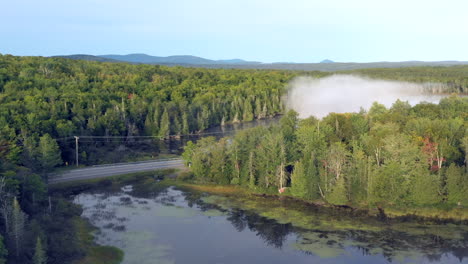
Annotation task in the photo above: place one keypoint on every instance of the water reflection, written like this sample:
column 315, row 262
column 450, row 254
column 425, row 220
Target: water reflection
column 166, row 225
column 272, row 233
column 416, row 241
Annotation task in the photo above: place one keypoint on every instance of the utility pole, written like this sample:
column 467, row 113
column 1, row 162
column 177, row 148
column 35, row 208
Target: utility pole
column 76, row 148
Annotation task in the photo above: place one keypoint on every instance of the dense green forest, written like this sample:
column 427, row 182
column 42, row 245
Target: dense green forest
column 63, row 98
column 43, row 100
column 401, row 156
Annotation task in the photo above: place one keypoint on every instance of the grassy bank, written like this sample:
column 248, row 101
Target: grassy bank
column 451, row 214
column 94, row 253
column 316, row 219
column 145, row 179
column 440, row 213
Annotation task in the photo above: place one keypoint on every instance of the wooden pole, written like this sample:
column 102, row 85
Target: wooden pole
column 76, row 150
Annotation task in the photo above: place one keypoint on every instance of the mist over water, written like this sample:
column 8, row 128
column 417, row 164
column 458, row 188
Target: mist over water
column 348, row 93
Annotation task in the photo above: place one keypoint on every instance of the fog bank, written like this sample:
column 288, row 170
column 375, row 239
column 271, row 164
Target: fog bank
column 348, row 93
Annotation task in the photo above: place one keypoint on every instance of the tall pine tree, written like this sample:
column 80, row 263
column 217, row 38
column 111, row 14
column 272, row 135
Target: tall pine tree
column 49, row 153
column 164, row 127
column 40, row 256
column 17, row 228
column 299, row 182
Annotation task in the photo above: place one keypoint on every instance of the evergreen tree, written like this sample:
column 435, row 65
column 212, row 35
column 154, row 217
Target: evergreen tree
column 248, row 111
column 40, row 256
column 156, row 120
column 338, row 194
column 49, row 153
column 456, row 185
column 269, row 160
column 30, row 156
column 17, row 228
column 235, row 155
column 185, row 124
column 299, row 181
column 203, row 118
column 202, row 158
column 149, row 125
column 258, row 108
column 252, row 176
column 359, row 174
column 425, row 189
column 176, row 126
column 164, row 126
column 218, row 168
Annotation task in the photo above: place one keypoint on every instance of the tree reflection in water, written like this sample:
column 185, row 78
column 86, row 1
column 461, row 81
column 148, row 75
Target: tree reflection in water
column 328, row 234
column 272, row 233
column 390, row 243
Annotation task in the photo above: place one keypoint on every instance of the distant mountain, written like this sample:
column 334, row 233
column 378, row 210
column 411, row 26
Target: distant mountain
column 178, row 59
column 337, row 66
column 193, row 61
column 237, row 61
column 85, row 57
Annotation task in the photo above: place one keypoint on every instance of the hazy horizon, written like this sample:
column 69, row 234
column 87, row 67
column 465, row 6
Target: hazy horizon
column 258, row 30
column 234, row 58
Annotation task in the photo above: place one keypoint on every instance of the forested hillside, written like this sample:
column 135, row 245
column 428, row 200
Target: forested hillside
column 62, row 98
column 401, row 156
column 43, row 99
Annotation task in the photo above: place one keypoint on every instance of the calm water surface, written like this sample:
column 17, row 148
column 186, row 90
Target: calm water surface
column 166, row 225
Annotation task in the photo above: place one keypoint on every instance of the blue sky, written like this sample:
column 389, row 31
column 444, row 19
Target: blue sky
column 261, row 30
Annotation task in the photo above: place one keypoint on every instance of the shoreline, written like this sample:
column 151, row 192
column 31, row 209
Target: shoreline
column 394, row 218
column 384, row 214
column 436, row 215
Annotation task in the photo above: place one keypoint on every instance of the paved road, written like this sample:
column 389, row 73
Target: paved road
column 115, row 169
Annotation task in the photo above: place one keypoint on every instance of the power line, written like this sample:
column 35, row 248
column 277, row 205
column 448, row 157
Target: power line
column 160, row 137
column 96, row 139
column 121, row 136
column 91, row 139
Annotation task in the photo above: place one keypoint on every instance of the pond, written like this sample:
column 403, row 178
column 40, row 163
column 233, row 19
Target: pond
column 156, row 224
